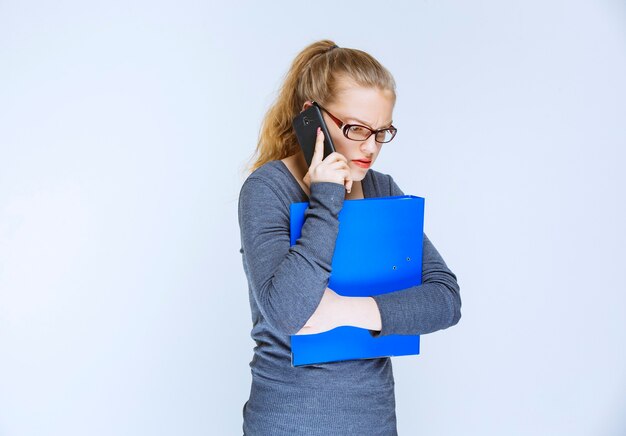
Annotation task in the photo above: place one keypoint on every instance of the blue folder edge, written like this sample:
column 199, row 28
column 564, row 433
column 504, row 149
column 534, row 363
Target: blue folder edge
column 349, row 342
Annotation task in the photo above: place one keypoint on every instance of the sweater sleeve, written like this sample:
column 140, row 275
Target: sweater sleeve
column 431, row 306
column 288, row 282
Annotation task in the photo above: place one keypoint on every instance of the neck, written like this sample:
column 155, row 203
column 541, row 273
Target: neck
column 301, row 165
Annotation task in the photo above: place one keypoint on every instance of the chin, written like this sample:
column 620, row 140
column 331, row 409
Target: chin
column 357, row 176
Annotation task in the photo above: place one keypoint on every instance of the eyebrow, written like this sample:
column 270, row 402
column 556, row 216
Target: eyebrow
column 368, row 125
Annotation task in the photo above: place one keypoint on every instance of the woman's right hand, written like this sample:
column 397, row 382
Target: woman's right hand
column 334, row 168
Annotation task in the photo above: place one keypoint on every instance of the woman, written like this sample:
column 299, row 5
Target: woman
column 287, row 285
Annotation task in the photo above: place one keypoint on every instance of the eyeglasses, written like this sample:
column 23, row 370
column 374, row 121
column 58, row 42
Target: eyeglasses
column 358, row 132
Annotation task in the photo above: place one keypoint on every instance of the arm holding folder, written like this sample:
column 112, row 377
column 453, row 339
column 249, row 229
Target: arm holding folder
column 432, row 305
column 287, row 282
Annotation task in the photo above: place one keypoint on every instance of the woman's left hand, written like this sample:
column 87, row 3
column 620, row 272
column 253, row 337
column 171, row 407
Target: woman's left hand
column 328, row 315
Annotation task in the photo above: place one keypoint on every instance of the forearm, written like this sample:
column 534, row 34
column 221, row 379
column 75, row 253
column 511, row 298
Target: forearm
column 419, row 310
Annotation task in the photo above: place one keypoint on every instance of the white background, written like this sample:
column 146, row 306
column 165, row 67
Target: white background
column 124, row 131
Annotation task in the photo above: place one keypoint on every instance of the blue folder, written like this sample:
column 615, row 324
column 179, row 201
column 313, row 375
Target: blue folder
column 378, row 250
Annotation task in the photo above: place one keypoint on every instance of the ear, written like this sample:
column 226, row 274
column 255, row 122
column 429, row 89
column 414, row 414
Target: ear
column 307, row 104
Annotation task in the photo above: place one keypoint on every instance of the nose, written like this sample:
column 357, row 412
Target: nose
column 369, row 146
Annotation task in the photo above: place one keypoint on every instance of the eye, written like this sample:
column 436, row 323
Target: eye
column 358, row 129
column 358, row 132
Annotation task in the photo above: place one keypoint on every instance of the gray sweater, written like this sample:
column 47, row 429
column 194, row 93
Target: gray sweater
column 286, row 285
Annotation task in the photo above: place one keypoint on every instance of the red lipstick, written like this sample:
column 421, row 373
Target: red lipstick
column 363, row 163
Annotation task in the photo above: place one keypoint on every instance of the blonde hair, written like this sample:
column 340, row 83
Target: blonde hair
column 315, row 74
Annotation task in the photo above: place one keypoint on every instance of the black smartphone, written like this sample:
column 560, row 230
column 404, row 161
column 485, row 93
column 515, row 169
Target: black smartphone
column 305, row 124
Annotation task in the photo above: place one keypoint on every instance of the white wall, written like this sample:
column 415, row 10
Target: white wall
column 124, row 127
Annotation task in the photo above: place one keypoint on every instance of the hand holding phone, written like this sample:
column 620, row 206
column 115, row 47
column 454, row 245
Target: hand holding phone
column 334, row 168
column 324, row 163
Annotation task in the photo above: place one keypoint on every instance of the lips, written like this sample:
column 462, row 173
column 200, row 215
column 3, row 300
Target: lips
column 363, row 163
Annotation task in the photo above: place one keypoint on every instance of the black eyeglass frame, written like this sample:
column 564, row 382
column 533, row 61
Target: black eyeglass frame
column 346, row 127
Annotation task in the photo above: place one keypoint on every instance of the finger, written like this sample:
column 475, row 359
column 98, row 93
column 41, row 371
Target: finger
column 337, row 165
column 318, row 153
column 336, row 157
column 347, row 178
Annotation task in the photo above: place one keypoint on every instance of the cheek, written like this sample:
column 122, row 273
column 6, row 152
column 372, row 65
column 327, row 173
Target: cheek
column 341, row 147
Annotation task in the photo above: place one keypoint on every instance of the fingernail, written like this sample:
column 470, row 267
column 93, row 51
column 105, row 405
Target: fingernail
column 319, row 129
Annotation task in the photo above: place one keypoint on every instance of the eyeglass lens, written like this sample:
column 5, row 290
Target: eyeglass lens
column 359, row 133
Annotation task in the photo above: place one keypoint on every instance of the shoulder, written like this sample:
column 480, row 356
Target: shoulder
column 272, row 183
column 263, row 179
column 269, row 171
